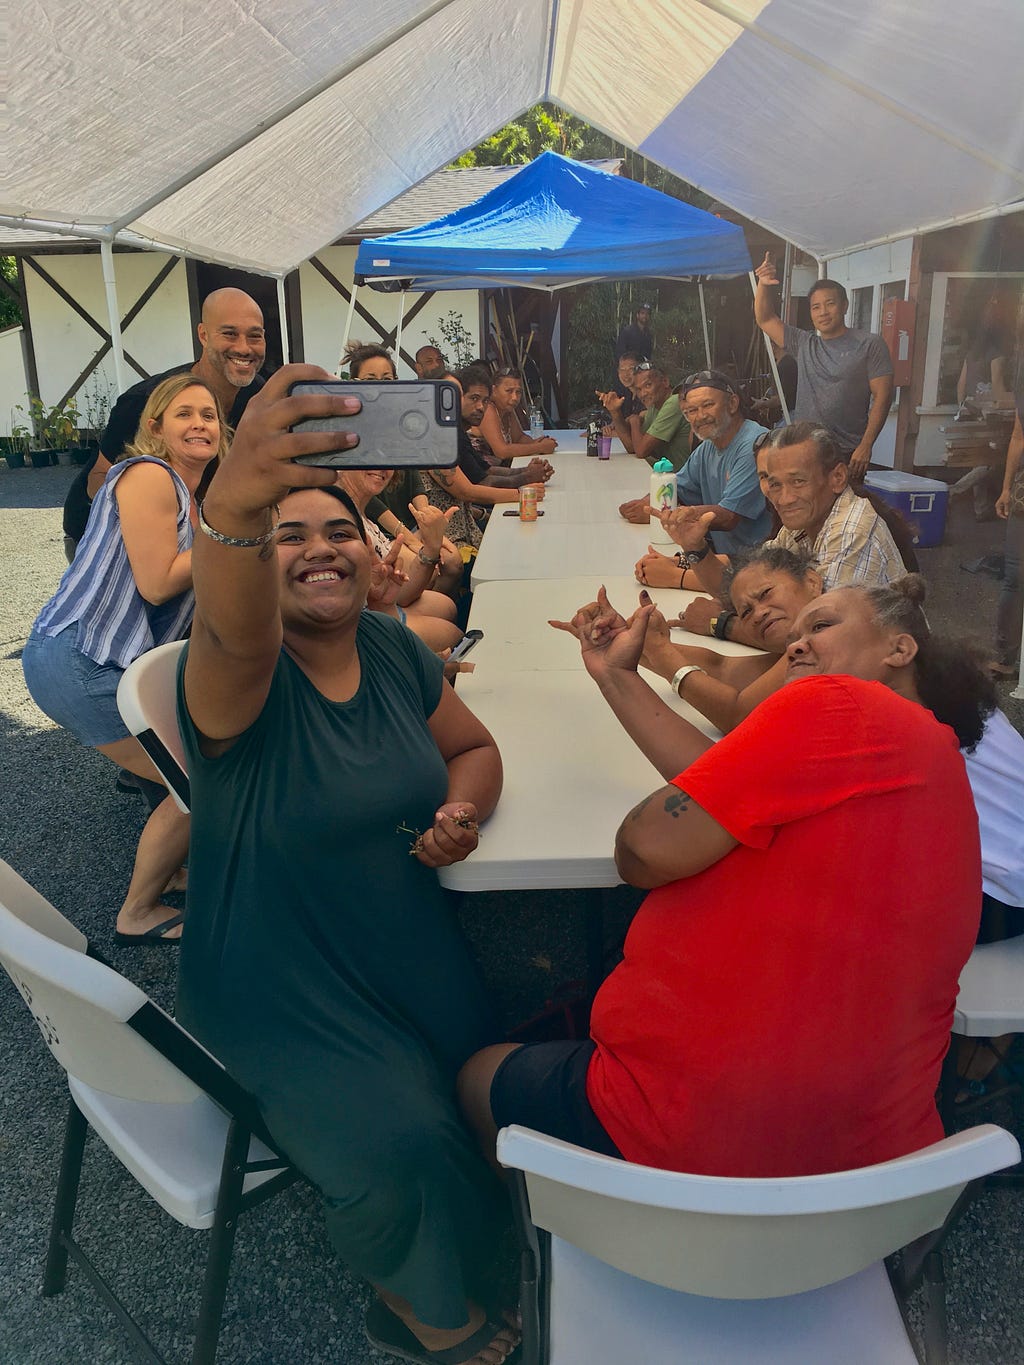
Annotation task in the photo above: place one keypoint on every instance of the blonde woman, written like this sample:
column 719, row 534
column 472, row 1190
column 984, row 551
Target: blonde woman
column 128, row 590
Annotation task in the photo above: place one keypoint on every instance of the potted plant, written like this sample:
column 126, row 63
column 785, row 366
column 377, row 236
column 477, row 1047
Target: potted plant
column 51, row 431
column 97, row 400
column 15, row 445
column 60, row 430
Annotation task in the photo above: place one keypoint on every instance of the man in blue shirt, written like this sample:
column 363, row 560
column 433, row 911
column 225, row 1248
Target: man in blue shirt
column 719, row 477
column 721, row 474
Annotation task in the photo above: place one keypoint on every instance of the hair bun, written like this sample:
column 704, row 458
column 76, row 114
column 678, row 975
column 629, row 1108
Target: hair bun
column 912, row 587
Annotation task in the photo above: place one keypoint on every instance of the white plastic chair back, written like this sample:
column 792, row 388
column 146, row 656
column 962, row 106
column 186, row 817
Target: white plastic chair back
column 80, row 1005
column 36, row 911
column 745, row 1239
column 147, row 700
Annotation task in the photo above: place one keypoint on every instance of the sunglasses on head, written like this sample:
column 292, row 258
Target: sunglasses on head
column 644, row 365
column 506, row 374
column 707, row 379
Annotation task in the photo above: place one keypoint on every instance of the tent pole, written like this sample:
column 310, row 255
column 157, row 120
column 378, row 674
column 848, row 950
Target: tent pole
column 110, row 289
column 786, row 416
column 704, row 322
column 398, row 330
column 348, row 326
column 282, row 319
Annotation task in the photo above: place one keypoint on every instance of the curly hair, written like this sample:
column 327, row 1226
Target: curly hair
column 951, row 680
column 357, row 354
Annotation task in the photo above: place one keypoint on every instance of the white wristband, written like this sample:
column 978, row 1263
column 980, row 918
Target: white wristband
column 681, row 673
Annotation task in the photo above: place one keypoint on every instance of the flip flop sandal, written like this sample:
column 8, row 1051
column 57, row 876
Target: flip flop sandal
column 151, row 936
column 387, row 1332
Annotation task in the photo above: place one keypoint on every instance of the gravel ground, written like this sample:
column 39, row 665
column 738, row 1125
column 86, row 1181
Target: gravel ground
column 68, row 833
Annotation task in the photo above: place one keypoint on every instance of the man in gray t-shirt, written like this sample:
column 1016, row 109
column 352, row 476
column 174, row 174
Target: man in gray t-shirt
column 844, row 377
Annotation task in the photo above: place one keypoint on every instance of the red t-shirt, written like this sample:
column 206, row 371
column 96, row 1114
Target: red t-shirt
column 786, row 1011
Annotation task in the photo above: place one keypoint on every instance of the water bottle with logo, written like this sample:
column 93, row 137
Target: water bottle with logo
column 664, row 497
column 593, row 434
column 536, row 422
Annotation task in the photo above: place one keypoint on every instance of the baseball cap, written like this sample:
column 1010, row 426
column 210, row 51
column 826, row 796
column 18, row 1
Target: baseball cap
column 706, row 379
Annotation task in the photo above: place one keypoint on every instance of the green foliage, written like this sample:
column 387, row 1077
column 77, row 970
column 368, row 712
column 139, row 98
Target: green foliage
column 545, row 128
column 10, row 313
column 456, row 344
column 97, row 400
column 540, row 129
column 599, row 311
column 54, row 428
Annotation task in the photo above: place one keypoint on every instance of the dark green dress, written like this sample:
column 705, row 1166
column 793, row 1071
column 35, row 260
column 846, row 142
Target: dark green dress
column 323, row 966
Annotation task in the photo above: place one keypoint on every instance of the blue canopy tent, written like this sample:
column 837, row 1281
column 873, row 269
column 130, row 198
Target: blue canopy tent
column 554, row 224
column 558, row 223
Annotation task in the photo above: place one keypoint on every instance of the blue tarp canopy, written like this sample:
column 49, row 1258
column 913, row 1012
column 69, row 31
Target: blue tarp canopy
column 553, row 224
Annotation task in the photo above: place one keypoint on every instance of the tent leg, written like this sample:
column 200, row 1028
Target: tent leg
column 398, row 331
column 348, row 327
column 282, row 318
column 114, row 316
column 786, row 415
column 1018, row 691
column 704, row 322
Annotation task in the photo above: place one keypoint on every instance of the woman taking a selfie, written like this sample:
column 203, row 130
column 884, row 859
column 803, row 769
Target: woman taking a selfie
column 323, row 965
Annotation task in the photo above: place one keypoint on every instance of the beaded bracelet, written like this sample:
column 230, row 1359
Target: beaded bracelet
column 237, row 541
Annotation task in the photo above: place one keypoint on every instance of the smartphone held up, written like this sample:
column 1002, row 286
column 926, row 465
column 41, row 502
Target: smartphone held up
column 402, row 424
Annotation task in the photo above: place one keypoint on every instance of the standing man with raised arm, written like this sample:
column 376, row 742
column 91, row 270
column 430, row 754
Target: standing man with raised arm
column 844, row 376
column 234, row 349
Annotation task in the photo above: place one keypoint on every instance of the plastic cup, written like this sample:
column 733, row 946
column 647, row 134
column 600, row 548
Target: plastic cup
column 604, row 447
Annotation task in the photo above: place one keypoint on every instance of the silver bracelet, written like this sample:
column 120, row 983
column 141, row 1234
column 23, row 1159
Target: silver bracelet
column 237, row 541
column 684, row 672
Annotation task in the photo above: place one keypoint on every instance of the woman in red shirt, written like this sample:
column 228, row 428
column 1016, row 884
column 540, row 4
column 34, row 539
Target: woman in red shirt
column 786, row 993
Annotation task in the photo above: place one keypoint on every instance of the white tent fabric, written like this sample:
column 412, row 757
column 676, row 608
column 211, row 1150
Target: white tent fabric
column 254, row 132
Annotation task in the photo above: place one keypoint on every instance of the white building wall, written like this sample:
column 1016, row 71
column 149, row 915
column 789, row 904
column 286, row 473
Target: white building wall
column 159, row 337
column 12, row 377
column 324, row 311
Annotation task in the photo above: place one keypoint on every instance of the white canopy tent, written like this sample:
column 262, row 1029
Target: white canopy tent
column 254, row 134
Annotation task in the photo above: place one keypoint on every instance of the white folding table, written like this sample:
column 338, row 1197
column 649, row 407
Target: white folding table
column 513, row 616
column 571, row 771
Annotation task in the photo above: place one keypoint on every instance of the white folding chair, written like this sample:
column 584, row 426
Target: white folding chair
column 627, row 1263
column 159, row 1101
column 147, row 700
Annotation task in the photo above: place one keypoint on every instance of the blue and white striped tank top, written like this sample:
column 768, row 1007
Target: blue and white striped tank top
column 97, row 594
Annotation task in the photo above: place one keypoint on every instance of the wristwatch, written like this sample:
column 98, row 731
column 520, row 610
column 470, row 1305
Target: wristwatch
column 718, row 626
column 692, row 557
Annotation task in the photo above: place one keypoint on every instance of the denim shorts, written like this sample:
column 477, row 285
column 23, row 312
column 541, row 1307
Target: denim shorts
column 79, row 695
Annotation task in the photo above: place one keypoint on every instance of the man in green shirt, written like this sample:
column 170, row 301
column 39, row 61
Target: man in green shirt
column 660, row 431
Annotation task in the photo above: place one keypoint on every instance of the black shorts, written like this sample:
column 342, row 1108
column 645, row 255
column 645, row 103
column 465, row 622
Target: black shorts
column 544, row 1086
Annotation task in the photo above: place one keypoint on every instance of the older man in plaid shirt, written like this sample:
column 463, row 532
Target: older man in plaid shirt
column 807, row 482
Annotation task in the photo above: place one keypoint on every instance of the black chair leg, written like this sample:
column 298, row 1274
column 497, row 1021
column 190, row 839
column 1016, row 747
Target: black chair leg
column 222, row 1240
column 936, row 1327
column 56, row 1268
